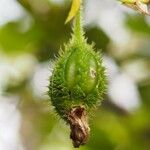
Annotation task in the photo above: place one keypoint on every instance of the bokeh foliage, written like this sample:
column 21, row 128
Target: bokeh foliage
column 41, row 32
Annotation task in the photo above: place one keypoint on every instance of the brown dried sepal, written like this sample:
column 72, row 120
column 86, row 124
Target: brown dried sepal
column 139, row 6
column 77, row 118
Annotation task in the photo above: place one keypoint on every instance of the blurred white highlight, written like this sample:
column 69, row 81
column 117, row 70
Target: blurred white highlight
column 10, row 123
column 109, row 15
column 124, row 93
column 122, row 89
column 40, row 80
column 9, row 10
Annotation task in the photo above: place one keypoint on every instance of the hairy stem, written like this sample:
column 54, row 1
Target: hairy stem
column 78, row 27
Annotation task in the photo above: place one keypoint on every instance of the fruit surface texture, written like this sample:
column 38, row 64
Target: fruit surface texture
column 77, row 84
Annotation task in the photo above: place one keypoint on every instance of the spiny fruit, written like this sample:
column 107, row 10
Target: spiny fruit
column 77, row 84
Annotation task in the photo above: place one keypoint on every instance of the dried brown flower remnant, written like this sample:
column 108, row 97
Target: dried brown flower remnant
column 143, row 6
column 77, row 118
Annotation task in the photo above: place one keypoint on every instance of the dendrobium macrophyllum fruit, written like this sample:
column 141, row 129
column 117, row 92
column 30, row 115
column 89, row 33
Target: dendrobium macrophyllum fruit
column 77, row 84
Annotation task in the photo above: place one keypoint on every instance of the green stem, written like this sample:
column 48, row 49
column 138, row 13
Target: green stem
column 78, row 28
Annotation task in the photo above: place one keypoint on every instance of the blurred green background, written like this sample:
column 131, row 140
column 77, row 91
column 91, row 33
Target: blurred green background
column 31, row 34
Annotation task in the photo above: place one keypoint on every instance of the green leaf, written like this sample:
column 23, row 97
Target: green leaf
column 74, row 9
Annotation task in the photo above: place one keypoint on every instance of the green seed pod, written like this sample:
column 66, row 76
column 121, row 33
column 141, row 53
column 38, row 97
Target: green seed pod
column 77, row 84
